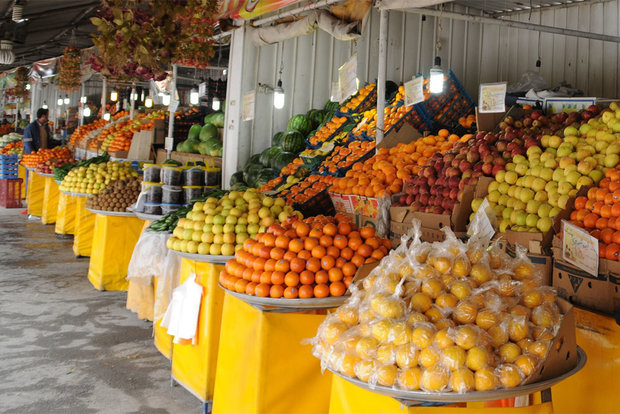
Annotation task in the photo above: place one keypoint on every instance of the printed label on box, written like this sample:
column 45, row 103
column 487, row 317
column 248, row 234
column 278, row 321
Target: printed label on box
column 414, row 92
column 580, row 249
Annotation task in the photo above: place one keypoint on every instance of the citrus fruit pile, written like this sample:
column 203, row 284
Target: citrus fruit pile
column 95, row 177
column 443, row 317
column 315, row 257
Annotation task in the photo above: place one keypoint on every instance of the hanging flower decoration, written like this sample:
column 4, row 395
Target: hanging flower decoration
column 21, row 80
column 153, row 34
column 70, row 76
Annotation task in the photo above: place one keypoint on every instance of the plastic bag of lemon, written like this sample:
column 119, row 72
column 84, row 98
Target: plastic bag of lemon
column 443, row 317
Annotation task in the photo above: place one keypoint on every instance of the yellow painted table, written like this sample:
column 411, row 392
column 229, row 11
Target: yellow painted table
column 84, row 226
column 36, row 192
column 193, row 366
column 21, row 173
column 263, row 368
column 51, row 194
column 66, row 214
column 595, row 388
column 161, row 339
column 114, row 237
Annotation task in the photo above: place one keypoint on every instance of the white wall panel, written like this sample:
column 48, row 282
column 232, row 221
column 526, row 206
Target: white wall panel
column 475, row 53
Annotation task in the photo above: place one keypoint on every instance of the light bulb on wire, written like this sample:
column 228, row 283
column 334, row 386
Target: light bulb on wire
column 436, row 77
column 193, row 96
column 60, row 101
column 114, row 96
column 67, row 100
column 44, row 106
column 165, row 99
column 148, row 102
column 106, row 116
column 86, row 112
column 278, row 96
column 215, row 104
column 83, row 99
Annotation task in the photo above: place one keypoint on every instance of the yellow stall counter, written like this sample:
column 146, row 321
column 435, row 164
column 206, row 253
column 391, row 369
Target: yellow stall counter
column 113, row 240
column 84, row 226
column 51, row 194
column 21, row 173
column 594, row 389
column 65, row 214
column 163, row 341
column 347, row 398
column 36, row 192
column 263, row 367
column 194, row 366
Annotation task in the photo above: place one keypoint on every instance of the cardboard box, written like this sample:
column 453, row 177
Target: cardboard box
column 401, row 222
column 542, row 263
column 491, row 121
column 159, row 131
column 342, row 203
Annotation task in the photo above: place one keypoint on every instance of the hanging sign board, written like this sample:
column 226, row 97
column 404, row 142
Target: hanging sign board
column 414, row 92
column 202, row 89
column 347, row 78
column 173, row 106
column 248, row 105
column 254, row 8
column 492, row 97
column 579, row 248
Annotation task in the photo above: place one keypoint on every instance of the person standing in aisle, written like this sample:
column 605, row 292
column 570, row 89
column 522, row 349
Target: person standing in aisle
column 37, row 134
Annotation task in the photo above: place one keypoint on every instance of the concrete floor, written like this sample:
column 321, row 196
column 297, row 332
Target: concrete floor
column 66, row 347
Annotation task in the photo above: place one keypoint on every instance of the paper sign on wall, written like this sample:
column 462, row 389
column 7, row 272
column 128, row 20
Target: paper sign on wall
column 347, row 78
column 579, row 248
column 492, row 97
column 248, row 105
column 414, row 92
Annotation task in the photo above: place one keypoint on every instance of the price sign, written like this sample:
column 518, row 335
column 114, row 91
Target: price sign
column 484, row 222
column 579, row 248
column 414, row 92
column 173, row 106
column 169, row 143
column 347, row 78
column 492, row 97
column 248, row 105
column 202, row 89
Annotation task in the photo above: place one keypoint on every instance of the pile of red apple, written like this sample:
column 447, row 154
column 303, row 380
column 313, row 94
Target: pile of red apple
column 48, row 166
column 439, row 186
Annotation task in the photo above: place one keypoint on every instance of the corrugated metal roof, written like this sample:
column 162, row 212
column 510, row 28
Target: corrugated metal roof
column 495, row 7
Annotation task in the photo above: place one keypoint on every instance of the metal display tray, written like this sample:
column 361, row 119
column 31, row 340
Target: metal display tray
column 289, row 305
column 207, row 258
column 112, row 213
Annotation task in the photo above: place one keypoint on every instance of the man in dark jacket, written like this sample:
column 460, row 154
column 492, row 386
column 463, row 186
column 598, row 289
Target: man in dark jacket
column 37, row 134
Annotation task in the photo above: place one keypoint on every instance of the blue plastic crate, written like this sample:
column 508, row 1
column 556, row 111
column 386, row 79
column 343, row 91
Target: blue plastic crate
column 8, row 176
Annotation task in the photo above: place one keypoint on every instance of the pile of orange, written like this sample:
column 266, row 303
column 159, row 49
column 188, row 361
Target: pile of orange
column 354, row 103
column 385, row 173
column 346, row 156
column 271, row 184
column 6, row 128
column 306, row 189
column 81, row 132
column 316, row 257
column 292, row 167
column 467, row 121
column 11, row 146
column 32, row 160
column 327, row 130
column 599, row 213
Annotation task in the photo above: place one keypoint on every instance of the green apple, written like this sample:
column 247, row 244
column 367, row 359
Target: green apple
column 544, row 224
column 217, row 229
column 596, row 175
column 253, row 218
column 198, row 206
column 563, row 201
column 233, row 195
column 613, row 149
column 541, row 196
column 507, row 212
column 511, row 177
column 240, row 228
column 218, row 239
column 566, row 161
column 519, row 205
column 521, row 168
column 228, row 249
column 275, row 210
column 572, row 178
column 584, row 128
column 526, row 195
column 241, row 237
column 476, row 202
column 207, row 237
column 532, row 206
column 569, row 169
column 570, row 130
column 531, row 220
column 565, row 186
column 187, row 234
column 280, row 202
column 558, row 174
column 228, row 228
column 203, row 248
column 550, row 164
column 503, row 200
column 521, row 218
column 584, row 181
column 534, row 151
column 253, row 229
column 504, row 225
column 519, row 159
column 235, row 212
column 513, row 216
column 510, row 166
column 497, row 210
column 554, row 211
column 231, row 219
column 198, row 225
column 192, row 247
column 215, row 249
column 511, row 191
column 511, row 202
column 553, row 198
column 554, row 141
column 219, row 219
column 502, row 188
column 538, row 184
column 264, row 212
column 544, row 140
column 500, row 176
column 544, row 210
column 611, row 160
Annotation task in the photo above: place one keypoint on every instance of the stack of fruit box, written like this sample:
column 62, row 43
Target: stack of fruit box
column 600, row 292
column 372, row 211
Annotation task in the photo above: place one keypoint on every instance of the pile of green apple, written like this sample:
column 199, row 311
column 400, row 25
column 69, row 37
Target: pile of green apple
column 220, row 226
column 532, row 190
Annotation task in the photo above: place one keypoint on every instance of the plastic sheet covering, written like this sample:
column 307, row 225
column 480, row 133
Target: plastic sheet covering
column 406, row 4
column 140, row 299
column 114, row 239
column 36, row 190
column 50, row 201
column 262, row 365
column 65, row 215
column 181, row 318
column 193, row 366
column 347, row 398
column 84, row 226
column 167, row 281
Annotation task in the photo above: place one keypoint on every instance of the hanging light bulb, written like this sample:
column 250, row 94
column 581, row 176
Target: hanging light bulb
column 86, row 112
column 28, row 87
column 193, row 96
column 106, row 116
column 148, row 102
column 60, row 101
column 278, row 96
column 44, row 106
column 83, row 99
column 142, row 96
column 114, row 96
column 67, row 100
column 215, row 104
column 436, row 77
column 165, row 99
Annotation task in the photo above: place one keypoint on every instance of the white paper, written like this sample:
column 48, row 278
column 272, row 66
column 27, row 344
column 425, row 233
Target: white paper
column 579, row 248
column 484, row 222
column 492, row 97
column 202, row 89
column 181, row 318
column 248, row 105
column 173, row 106
column 414, row 92
column 335, row 95
column 347, row 78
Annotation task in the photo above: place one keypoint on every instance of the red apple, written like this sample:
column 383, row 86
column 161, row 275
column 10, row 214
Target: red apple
column 496, row 169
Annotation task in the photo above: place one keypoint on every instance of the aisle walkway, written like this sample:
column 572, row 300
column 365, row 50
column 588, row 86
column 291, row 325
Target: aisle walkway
column 65, row 347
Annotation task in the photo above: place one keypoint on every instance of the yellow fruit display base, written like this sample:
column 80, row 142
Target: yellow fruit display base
column 262, row 365
column 21, row 173
column 594, row 389
column 65, row 215
column 163, row 341
column 84, row 226
column 347, row 398
column 36, row 192
column 113, row 241
column 51, row 194
column 193, row 366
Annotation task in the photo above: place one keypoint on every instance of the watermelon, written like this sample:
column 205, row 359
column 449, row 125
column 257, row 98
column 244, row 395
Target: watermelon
column 251, row 174
column 208, row 131
column 272, row 155
column 332, row 106
column 202, row 148
column 214, row 147
column 276, row 141
column 283, row 159
column 263, row 177
column 294, row 141
column 254, row 159
column 299, row 123
column 267, row 156
column 194, row 131
column 216, row 118
column 236, row 178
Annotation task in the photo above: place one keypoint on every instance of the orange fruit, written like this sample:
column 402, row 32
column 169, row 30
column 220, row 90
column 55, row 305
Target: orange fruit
column 306, row 291
column 365, row 250
column 580, row 203
column 291, row 292
column 316, row 232
column 357, row 260
column 269, row 239
column 318, row 252
column 321, row 290
column 337, row 289
column 589, row 221
column 355, row 243
column 344, row 228
column 249, row 288
column 298, row 265
column 601, row 223
column 296, row 245
column 334, row 274
column 615, row 238
column 291, row 279
column 306, row 277
column 277, row 253
column 282, row 242
column 327, row 262
column 310, row 243
column 340, row 241
column 302, row 229
column 326, row 241
column 313, row 264
column 276, row 291
column 262, row 289
column 349, row 269
column 607, row 235
column 612, row 252
column 347, row 253
column 283, row 266
column 321, row 277
column 277, row 278
column 367, row 232
column 304, row 254
column 330, row 229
